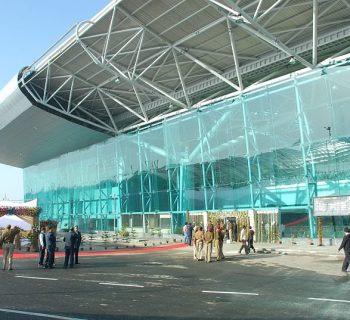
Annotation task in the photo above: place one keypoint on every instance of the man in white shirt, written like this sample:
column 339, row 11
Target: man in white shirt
column 244, row 238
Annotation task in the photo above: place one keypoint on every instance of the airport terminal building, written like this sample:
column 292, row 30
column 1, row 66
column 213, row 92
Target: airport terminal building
column 156, row 112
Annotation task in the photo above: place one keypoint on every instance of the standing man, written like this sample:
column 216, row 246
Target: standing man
column 8, row 247
column 189, row 233
column 199, row 238
column 42, row 247
column 184, row 229
column 230, row 230
column 346, row 246
column 69, row 248
column 77, row 244
column 50, row 247
column 234, row 231
column 208, row 240
column 219, row 235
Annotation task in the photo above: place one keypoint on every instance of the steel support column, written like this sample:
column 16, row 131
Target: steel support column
column 246, row 135
column 303, row 133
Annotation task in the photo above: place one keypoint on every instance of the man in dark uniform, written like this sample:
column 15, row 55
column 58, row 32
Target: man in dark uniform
column 77, row 244
column 69, row 239
column 50, row 247
column 346, row 246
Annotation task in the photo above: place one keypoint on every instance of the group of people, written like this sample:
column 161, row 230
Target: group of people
column 47, row 247
column 214, row 237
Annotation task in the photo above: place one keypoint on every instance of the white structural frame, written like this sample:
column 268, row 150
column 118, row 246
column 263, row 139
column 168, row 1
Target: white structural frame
column 147, row 99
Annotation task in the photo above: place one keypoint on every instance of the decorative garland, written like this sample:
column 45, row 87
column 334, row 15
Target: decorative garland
column 20, row 211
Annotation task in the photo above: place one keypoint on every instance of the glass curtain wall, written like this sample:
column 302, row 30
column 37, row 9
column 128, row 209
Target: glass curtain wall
column 278, row 146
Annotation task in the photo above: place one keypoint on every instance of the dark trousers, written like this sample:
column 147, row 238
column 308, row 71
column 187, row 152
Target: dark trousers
column 76, row 253
column 244, row 246
column 346, row 261
column 68, row 256
column 50, row 256
column 41, row 255
column 251, row 244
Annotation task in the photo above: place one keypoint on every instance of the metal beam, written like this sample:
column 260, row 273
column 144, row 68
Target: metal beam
column 206, row 67
column 181, row 79
column 105, row 47
column 257, row 9
column 321, row 14
column 108, row 111
column 140, row 103
column 314, row 31
column 276, row 3
column 122, row 104
column 139, row 46
column 234, row 53
column 243, row 20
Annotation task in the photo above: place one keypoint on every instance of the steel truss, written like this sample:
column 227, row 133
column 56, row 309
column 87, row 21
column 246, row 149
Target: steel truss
column 119, row 96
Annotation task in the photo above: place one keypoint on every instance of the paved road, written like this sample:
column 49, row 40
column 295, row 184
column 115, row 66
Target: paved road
column 171, row 285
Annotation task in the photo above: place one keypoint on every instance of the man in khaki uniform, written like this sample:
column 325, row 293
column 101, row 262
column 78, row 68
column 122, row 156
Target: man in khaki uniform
column 8, row 247
column 199, row 237
column 219, row 235
column 208, row 240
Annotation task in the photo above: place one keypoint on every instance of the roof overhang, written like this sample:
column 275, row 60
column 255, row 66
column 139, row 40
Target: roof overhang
column 139, row 62
column 30, row 135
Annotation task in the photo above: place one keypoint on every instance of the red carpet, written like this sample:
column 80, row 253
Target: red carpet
column 34, row 255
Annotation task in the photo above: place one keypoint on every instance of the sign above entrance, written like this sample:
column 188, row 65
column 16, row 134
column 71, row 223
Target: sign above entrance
column 332, row 206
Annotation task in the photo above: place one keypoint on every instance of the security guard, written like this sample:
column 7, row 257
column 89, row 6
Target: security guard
column 8, row 247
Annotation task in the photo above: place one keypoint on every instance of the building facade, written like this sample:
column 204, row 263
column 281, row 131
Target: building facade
column 278, row 146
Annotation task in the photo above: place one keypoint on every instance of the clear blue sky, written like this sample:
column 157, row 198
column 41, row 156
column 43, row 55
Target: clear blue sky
column 27, row 29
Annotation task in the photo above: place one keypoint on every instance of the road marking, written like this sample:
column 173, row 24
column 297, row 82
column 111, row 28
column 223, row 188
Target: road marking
column 233, row 292
column 332, row 300
column 27, row 277
column 44, row 315
column 121, row 284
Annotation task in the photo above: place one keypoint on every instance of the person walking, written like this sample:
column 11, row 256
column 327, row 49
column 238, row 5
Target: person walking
column 8, row 247
column 251, row 233
column 208, row 240
column 69, row 248
column 346, row 246
column 243, row 238
column 50, row 247
column 77, row 244
column 42, row 247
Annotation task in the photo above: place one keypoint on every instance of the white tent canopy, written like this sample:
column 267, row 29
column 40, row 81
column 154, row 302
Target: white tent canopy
column 10, row 204
column 13, row 220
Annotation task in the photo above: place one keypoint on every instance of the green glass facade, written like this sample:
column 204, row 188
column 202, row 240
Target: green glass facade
column 278, row 146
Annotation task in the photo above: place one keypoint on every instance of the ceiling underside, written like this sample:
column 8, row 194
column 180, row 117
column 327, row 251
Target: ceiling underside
column 140, row 61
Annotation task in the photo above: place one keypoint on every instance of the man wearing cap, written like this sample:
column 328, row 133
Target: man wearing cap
column 8, row 247
column 346, row 246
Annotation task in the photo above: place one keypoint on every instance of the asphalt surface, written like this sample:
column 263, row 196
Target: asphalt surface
column 171, row 285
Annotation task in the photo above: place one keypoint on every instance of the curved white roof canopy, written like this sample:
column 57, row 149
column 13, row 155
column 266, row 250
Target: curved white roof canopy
column 138, row 62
